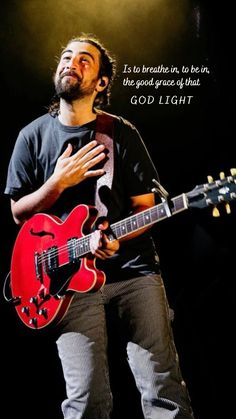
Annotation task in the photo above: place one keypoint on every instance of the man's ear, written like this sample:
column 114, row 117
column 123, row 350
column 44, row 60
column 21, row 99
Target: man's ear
column 102, row 83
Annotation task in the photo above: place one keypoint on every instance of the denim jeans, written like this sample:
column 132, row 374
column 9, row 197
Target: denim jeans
column 142, row 307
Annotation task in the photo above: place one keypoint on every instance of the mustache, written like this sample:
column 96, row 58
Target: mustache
column 70, row 73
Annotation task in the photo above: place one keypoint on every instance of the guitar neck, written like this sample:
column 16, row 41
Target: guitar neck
column 149, row 216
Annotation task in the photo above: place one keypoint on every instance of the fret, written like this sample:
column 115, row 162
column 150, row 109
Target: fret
column 128, row 224
column 154, row 214
column 80, row 248
column 123, row 228
column 147, row 217
column 180, row 203
column 117, row 230
column 140, row 220
column 87, row 244
column 161, row 212
column 135, row 223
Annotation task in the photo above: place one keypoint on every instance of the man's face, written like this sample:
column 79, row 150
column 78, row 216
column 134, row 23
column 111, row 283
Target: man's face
column 77, row 72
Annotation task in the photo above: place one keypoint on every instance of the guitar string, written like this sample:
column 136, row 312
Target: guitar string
column 119, row 226
column 130, row 222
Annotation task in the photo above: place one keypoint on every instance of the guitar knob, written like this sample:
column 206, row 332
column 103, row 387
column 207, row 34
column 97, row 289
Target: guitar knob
column 233, row 172
column 43, row 312
column 222, row 175
column 215, row 212
column 25, row 310
column 33, row 321
column 34, row 300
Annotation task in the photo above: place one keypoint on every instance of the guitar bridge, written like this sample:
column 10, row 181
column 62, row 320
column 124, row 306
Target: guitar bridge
column 38, row 266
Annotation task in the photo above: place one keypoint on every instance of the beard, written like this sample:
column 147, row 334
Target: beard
column 69, row 91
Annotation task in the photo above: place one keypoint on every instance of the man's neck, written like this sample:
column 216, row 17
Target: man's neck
column 76, row 113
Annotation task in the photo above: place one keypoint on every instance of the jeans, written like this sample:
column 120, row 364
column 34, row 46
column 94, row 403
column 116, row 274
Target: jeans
column 141, row 305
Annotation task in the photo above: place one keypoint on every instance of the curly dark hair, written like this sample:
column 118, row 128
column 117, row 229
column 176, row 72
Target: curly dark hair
column 107, row 68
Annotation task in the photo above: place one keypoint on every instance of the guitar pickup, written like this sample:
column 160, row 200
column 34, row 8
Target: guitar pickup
column 51, row 261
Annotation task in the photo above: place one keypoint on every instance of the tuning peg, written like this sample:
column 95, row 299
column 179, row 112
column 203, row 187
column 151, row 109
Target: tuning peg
column 233, row 172
column 215, row 212
column 227, row 208
column 222, row 175
column 209, row 179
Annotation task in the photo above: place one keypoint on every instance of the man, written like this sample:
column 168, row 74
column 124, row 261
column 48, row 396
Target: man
column 57, row 163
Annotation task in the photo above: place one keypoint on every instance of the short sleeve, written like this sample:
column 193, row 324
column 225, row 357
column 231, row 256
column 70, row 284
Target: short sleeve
column 20, row 173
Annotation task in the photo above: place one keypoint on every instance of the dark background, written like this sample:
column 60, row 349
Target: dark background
column 186, row 142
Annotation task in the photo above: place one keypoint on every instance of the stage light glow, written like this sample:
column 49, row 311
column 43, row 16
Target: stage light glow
column 138, row 31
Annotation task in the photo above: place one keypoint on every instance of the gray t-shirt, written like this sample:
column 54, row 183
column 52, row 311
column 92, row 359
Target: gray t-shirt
column 36, row 151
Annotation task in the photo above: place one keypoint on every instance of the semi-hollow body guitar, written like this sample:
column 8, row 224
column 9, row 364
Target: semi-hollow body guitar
column 51, row 259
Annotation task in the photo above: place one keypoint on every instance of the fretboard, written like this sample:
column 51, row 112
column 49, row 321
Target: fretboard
column 150, row 216
column 80, row 247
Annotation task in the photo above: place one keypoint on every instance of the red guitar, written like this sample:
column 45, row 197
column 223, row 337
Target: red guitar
column 51, row 259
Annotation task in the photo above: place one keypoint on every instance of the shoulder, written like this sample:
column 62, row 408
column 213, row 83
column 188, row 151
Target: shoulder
column 38, row 124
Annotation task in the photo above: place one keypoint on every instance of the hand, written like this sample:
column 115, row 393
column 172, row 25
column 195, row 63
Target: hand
column 70, row 170
column 100, row 245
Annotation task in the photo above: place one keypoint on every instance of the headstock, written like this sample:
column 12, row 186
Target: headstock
column 213, row 193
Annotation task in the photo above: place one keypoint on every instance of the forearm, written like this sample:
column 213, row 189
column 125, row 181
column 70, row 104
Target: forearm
column 37, row 201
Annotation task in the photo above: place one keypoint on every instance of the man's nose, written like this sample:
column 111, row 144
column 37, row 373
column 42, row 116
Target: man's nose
column 71, row 64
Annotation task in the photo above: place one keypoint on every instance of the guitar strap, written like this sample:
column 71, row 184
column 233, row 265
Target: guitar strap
column 104, row 135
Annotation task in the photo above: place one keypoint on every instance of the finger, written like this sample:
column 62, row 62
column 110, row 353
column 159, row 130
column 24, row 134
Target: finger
column 86, row 149
column 104, row 252
column 110, row 244
column 91, row 173
column 100, row 254
column 92, row 162
column 67, row 151
column 90, row 155
column 104, row 225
